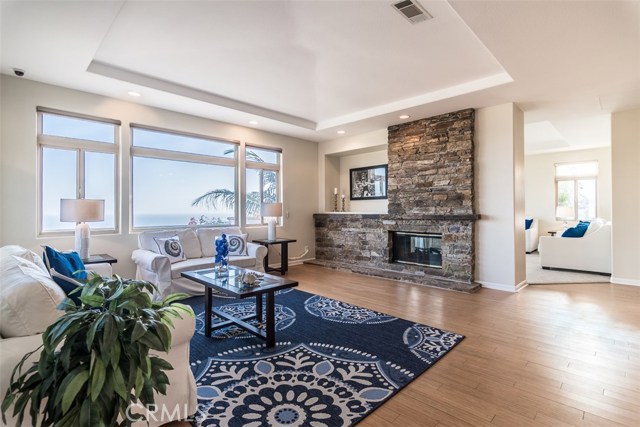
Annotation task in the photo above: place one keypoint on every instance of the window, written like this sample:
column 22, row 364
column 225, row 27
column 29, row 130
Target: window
column 78, row 157
column 182, row 179
column 262, row 177
column 577, row 188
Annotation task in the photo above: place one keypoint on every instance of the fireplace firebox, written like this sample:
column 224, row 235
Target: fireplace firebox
column 423, row 249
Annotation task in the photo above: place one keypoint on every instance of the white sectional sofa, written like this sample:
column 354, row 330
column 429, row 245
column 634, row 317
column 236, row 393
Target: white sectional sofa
column 28, row 305
column 199, row 248
column 531, row 236
column 590, row 253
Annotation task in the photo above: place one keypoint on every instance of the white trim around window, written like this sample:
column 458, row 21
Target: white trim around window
column 68, row 140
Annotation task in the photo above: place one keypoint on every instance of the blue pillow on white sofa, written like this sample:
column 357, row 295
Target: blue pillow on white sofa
column 577, row 231
column 527, row 223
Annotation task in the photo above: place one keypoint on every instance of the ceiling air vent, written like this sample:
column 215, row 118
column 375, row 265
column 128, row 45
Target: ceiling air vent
column 412, row 10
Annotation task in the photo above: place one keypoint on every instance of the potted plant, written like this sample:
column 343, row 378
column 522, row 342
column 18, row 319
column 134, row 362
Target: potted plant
column 95, row 359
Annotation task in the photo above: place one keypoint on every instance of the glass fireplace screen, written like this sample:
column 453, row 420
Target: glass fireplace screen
column 417, row 248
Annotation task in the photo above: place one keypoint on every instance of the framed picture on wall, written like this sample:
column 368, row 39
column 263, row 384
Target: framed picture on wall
column 368, row 183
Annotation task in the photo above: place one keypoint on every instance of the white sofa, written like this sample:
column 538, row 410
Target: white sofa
column 198, row 245
column 28, row 305
column 590, row 253
column 531, row 237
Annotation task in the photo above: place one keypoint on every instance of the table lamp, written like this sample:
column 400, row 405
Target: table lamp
column 82, row 211
column 271, row 211
column 565, row 213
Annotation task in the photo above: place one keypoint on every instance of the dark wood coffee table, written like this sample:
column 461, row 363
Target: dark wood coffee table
column 229, row 283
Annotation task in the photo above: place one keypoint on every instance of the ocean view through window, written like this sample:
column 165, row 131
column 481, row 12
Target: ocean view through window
column 78, row 158
column 170, row 170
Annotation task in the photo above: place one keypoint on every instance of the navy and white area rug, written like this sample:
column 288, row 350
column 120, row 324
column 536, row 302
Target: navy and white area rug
column 333, row 363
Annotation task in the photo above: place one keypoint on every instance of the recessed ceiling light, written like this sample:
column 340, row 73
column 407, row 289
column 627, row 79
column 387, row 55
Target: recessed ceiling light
column 253, row 122
column 134, row 93
column 405, row 116
column 341, row 132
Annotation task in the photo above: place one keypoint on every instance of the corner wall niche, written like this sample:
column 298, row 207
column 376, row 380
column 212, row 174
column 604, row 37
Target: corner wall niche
column 431, row 191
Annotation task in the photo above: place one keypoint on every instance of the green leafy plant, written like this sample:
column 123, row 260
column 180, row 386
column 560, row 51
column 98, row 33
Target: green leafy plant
column 95, row 359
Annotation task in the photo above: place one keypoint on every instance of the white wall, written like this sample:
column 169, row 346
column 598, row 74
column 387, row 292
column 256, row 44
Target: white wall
column 357, row 161
column 540, row 184
column 328, row 151
column 625, row 153
column 499, row 172
column 18, row 176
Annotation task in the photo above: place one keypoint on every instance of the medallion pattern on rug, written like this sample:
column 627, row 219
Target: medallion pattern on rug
column 332, row 365
column 285, row 317
column 313, row 384
column 429, row 344
column 342, row 312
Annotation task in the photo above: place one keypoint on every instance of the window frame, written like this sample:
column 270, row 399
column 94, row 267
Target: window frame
column 181, row 156
column 262, row 166
column 80, row 147
column 575, row 179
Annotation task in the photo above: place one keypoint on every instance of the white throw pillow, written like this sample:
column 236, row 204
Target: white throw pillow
column 28, row 297
column 170, row 247
column 207, row 237
column 190, row 243
column 594, row 226
column 237, row 244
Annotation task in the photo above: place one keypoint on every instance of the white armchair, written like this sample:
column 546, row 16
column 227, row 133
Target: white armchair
column 531, row 236
column 590, row 253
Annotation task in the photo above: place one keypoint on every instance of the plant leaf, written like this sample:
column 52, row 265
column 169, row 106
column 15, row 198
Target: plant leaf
column 164, row 334
column 114, row 353
column 98, row 376
column 138, row 330
column 175, row 297
column 72, row 390
column 118, row 382
column 92, row 300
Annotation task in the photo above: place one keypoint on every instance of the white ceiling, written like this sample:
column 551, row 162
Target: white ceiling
column 309, row 68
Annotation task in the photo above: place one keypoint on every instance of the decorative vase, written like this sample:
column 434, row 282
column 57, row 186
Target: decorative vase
column 222, row 253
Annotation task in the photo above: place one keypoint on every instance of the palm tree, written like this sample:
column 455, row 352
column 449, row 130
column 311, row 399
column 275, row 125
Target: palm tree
column 227, row 198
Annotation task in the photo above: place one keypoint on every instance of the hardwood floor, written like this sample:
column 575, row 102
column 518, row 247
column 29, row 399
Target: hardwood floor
column 551, row 355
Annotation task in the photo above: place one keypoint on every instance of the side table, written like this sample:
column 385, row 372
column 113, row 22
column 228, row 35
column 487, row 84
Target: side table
column 100, row 258
column 284, row 253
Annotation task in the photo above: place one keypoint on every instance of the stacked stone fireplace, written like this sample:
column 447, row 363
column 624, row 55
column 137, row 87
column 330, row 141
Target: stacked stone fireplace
column 430, row 192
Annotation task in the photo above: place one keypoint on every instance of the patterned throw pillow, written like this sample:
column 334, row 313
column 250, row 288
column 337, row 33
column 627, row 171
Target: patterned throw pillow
column 237, row 244
column 170, row 247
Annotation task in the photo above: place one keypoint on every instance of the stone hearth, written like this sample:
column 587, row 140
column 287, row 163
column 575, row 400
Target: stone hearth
column 430, row 190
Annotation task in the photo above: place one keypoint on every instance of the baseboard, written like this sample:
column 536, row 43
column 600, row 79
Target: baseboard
column 296, row 262
column 300, row 261
column 502, row 287
column 520, row 286
column 621, row 281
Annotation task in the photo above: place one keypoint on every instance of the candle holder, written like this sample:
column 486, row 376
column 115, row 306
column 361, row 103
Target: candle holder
column 343, row 205
column 335, row 203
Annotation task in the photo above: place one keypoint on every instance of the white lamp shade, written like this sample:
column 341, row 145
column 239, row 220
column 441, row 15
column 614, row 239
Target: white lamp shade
column 564, row 212
column 81, row 210
column 271, row 209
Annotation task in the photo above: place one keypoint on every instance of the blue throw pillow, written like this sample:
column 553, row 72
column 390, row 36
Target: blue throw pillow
column 65, row 264
column 577, row 231
column 527, row 223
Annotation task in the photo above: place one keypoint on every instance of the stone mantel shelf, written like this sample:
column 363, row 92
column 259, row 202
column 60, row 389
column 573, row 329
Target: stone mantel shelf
column 384, row 216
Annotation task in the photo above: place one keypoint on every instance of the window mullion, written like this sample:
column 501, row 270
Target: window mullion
column 80, row 174
column 261, row 192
